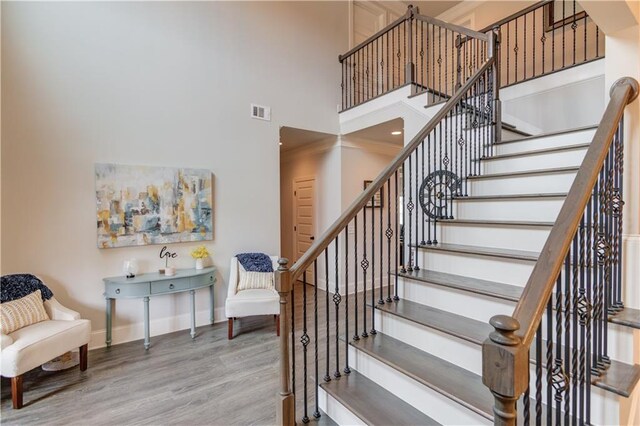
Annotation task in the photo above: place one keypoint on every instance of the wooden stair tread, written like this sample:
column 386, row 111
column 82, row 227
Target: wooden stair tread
column 550, row 171
column 460, row 385
column 553, row 133
column 511, row 196
column 535, row 152
column 484, row 251
column 496, row 222
column 364, row 398
column 629, row 317
column 473, row 285
column 619, row 378
column 456, row 325
column 452, row 381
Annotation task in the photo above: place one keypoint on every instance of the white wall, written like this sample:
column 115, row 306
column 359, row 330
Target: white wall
column 155, row 83
column 340, row 166
column 320, row 160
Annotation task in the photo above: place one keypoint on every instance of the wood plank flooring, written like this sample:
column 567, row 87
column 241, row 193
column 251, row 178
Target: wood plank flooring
column 179, row 381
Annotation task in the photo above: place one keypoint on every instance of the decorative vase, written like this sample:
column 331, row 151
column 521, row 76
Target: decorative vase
column 199, row 264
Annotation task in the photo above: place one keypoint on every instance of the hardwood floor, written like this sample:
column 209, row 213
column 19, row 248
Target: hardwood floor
column 206, row 381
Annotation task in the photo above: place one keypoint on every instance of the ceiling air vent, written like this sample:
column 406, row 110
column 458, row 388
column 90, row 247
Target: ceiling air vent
column 260, row 112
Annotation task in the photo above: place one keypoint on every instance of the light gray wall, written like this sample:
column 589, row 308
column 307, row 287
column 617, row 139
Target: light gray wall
column 153, row 83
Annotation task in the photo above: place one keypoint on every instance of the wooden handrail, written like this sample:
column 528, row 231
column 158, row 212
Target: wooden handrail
column 516, row 15
column 455, row 28
column 407, row 16
column 530, row 307
column 358, row 204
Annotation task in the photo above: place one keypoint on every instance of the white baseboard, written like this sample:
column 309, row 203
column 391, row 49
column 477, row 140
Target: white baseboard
column 159, row 326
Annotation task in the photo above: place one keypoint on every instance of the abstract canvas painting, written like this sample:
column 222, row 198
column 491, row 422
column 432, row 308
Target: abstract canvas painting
column 139, row 205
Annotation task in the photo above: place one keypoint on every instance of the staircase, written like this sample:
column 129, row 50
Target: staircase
column 426, row 360
column 478, row 279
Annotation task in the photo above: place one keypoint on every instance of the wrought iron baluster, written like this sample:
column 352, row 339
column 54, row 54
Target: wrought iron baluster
column 381, row 280
column 316, row 412
column 563, row 34
column 574, row 26
column 364, row 264
column 417, row 229
column 515, row 51
column 327, row 376
column 389, row 234
column 355, row 279
column 397, row 234
column 373, row 268
column 422, row 242
column 508, row 51
column 304, row 339
column 549, row 361
column 538, row 366
column 346, row 370
column 567, row 296
column 293, row 342
column 575, row 277
column 336, row 301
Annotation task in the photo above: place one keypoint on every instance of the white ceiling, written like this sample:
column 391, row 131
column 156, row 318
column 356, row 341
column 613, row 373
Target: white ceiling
column 293, row 138
column 382, row 132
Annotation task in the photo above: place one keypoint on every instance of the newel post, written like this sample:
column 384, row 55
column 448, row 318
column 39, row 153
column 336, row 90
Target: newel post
column 505, row 368
column 286, row 400
column 494, row 52
column 410, row 68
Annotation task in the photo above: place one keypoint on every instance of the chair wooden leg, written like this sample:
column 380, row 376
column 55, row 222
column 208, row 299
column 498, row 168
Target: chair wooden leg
column 230, row 329
column 84, row 354
column 278, row 325
column 16, row 392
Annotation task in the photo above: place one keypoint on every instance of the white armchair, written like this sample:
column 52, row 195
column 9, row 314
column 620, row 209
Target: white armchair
column 34, row 345
column 252, row 302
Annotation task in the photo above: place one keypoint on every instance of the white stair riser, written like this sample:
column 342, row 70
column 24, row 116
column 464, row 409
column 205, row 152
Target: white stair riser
column 469, row 356
column 456, row 351
column 545, row 142
column 534, row 209
column 338, row 412
column 534, row 184
column 453, row 300
column 534, row 162
column 508, row 271
column 430, row 402
column 530, row 238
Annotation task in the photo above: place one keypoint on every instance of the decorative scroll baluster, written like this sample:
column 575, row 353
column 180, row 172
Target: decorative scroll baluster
column 336, row 300
column 304, row 339
column 389, row 235
column 364, row 264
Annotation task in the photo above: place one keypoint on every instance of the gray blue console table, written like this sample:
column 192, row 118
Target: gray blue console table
column 146, row 285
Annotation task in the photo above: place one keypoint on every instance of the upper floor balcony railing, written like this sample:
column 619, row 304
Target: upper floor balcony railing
column 435, row 57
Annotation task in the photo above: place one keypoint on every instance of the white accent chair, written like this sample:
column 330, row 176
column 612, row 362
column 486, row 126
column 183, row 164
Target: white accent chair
column 252, row 302
column 34, row 345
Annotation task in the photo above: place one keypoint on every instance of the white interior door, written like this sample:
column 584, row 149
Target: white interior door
column 304, row 220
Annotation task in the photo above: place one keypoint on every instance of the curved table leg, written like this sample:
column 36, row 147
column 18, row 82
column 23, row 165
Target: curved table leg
column 109, row 320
